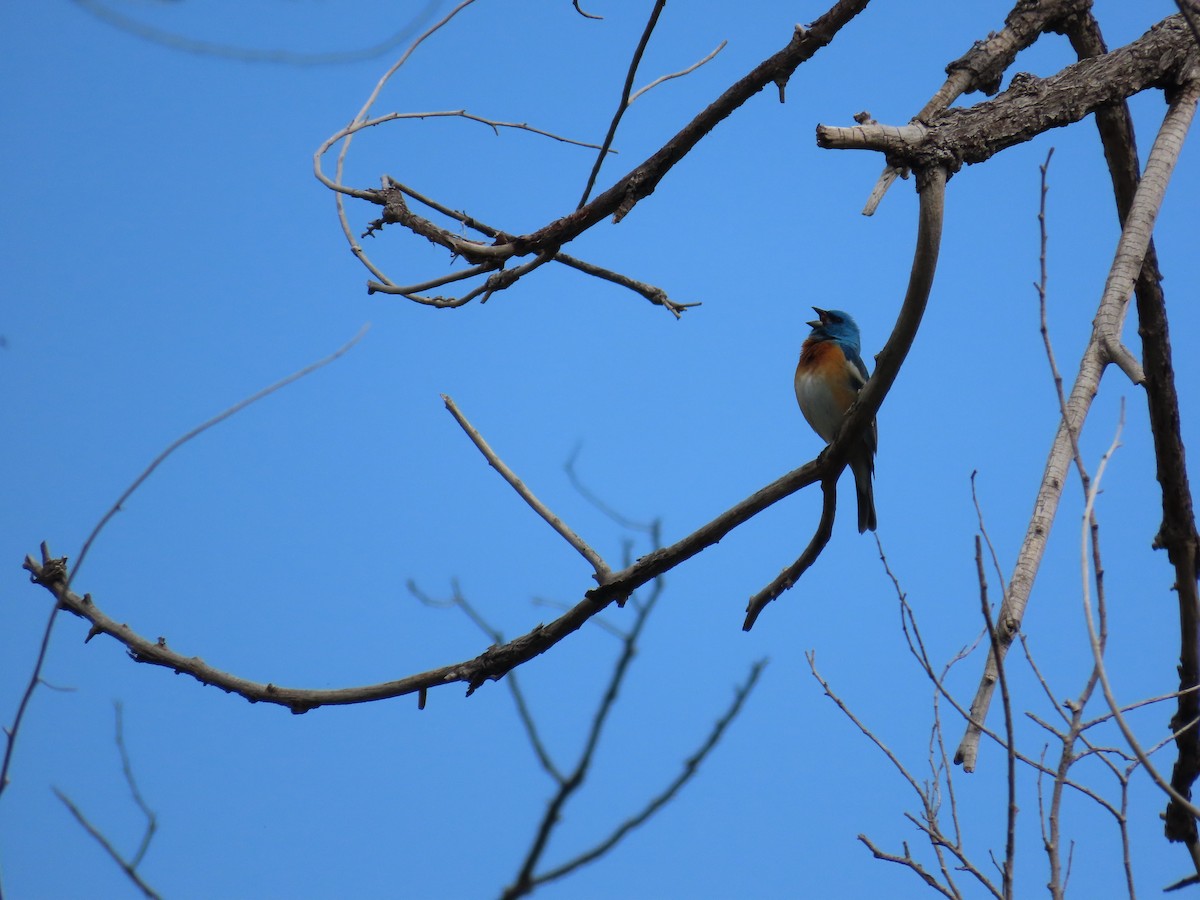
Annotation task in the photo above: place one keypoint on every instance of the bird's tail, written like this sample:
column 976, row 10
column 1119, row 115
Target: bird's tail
column 863, row 467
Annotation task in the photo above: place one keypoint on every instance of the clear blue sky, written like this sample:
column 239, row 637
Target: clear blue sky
column 168, row 252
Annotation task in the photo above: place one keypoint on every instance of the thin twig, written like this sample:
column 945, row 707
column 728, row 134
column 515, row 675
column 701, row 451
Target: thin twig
column 907, row 861
column 930, row 828
column 788, row 577
column 1011, row 831
column 200, row 429
column 654, row 294
column 526, row 878
column 690, row 767
column 916, row 646
column 458, row 601
column 127, row 769
column 61, row 578
column 104, row 842
column 590, row 496
column 128, row 866
column 1097, row 650
column 247, row 54
column 655, row 12
column 661, row 78
column 599, row 567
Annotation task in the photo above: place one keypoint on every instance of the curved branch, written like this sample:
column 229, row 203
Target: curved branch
column 788, row 577
column 497, row 661
column 932, row 186
column 186, row 44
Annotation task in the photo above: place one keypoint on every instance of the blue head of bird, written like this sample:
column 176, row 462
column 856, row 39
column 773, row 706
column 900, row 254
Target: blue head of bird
column 835, row 325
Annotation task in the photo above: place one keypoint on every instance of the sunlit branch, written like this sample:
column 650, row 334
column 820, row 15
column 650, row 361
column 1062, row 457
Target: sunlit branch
column 692, row 68
column 982, row 67
column 1177, row 533
column 1029, row 107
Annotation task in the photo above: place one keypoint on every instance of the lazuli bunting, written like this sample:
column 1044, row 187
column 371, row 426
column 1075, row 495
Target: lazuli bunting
column 828, row 378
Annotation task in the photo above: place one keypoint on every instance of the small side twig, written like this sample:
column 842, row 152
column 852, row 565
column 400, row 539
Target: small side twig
column 600, row 568
column 1011, row 830
column 692, row 68
column 788, row 577
column 625, row 101
column 128, row 866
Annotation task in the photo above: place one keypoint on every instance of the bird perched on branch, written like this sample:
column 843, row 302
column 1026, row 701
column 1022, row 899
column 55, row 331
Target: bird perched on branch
column 828, row 378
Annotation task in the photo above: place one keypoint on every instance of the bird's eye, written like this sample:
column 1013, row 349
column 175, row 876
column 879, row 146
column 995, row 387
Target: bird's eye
column 836, row 320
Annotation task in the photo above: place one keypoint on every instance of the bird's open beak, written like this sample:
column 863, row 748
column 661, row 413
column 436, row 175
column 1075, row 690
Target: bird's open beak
column 821, row 316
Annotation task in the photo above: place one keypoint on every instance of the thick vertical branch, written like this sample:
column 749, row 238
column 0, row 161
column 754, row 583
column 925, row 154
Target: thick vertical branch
column 1177, row 534
column 1127, row 264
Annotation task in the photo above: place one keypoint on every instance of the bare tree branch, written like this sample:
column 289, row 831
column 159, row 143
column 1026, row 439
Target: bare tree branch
column 599, row 566
column 655, row 12
column 1177, row 534
column 690, row 767
column 458, row 601
column 55, row 571
column 1011, row 745
column 249, row 54
column 496, row 661
column 128, row 866
column 1131, row 251
column 129, row 870
column 932, row 187
column 929, row 826
column 1165, row 55
column 617, row 200
column 788, row 577
column 1097, row 652
column 689, row 70
column 982, row 67
column 655, row 295
column 586, row 15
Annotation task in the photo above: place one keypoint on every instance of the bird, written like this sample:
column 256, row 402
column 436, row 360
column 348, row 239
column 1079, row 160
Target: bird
column 828, row 378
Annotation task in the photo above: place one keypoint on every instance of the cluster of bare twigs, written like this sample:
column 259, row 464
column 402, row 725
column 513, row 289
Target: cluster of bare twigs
column 1074, row 737
column 1073, row 732
column 488, row 260
column 568, row 780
